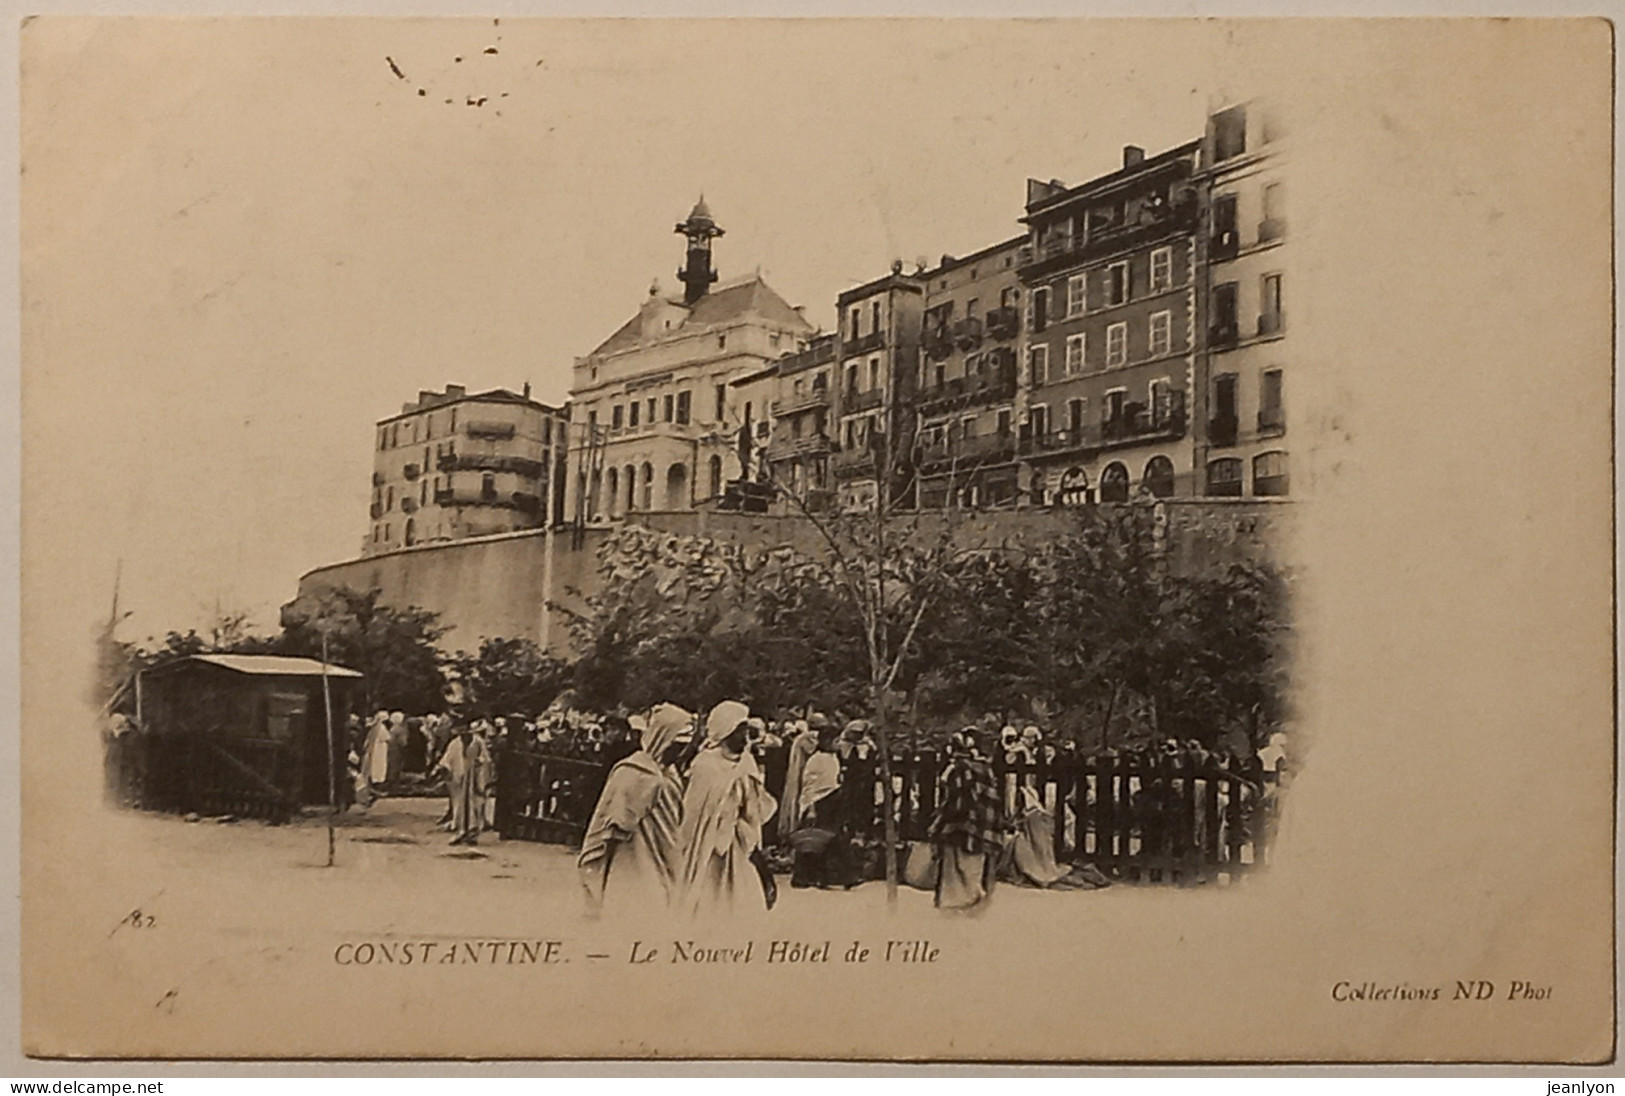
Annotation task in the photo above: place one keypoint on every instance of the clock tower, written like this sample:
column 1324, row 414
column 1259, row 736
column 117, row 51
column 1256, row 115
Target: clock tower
column 697, row 275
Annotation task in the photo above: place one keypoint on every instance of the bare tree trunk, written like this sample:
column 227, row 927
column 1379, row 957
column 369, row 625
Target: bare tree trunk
column 888, row 795
column 1106, row 724
column 332, row 759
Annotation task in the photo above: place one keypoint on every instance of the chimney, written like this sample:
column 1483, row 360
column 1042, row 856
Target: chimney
column 527, row 390
column 1133, row 155
column 456, row 391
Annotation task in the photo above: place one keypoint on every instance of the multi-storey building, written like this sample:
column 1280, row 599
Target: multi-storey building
column 1112, row 270
column 965, row 388
column 878, row 339
column 655, row 419
column 1243, row 450
column 454, row 465
column 803, row 418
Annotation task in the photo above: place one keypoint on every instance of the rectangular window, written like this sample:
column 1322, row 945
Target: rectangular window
column 592, row 425
column 874, row 317
column 722, row 402
column 855, row 317
column 1074, row 355
column 651, row 410
column 668, row 407
column 1161, row 401
column 616, row 416
column 1229, row 133
column 547, row 431
column 1269, row 312
column 684, row 410
column 1161, row 328
column 1076, row 295
column 1038, row 364
column 1116, row 344
column 1038, row 418
column 632, row 413
column 1117, row 283
column 1162, row 269
column 973, row 308
column 1040, row 309
column 1004, row 423
column 1225, row 321
column 1271, row 413
column 1076, row 410
column 1114, row 404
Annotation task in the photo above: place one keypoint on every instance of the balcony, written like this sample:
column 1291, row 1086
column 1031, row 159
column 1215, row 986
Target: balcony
column 1271, row 229
column 939, row 342
column 377, row 479
column 1224, row 244
column 477, row 462
column 1003, row 323
column 1224, row 335
column 377, row 511
column 490, row 429
column 856, row 401
column 788, row 448
column 989, row 386
column 1271, row 422
column 1138, row 423
column 409, row 505
column 1151, row 224
column 967, row 452
column 854, row 463
column 1270, row 486
column 411, row 471
column 524, row 501
column 1222, row 431
column 863, row 344
column 1069, row 440
column 801, row 401
column 967, row 333
column 1270, row 323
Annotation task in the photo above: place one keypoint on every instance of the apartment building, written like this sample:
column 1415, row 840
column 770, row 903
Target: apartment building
column 1111, row 269
column 453, row 465
column 877, row 347
column 803, row 414
column 1243, row 450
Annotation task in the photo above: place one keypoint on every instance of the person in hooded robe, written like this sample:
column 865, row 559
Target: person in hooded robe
column 823, row 852
column 629, row 857
column 802, row 747
column 463, row 763
column 968, row 831
column 1033, row 850
column 725, row 809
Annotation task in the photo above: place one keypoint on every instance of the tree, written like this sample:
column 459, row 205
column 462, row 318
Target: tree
column 393, row 648
column 508, row 675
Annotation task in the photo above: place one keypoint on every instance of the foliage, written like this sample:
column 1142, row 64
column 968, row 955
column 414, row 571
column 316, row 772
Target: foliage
column 507, row 676
column 394, row 648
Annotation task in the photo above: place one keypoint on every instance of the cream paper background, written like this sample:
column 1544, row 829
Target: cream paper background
column 1451, row 364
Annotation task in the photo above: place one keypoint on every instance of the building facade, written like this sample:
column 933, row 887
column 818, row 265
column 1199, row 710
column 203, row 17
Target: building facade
column 965, row 389
column 877, row 346
column 1244, row 450
column 453, row 465
column 1112, row 269
column 803, row 410
column 655, row 418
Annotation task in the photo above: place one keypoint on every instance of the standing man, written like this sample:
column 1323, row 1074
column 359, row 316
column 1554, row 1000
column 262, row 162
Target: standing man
column 463, row 763
column 725, row 809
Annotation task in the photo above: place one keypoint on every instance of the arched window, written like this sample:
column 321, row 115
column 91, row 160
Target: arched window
column 648, row 486
column 1074, row 487
column 631, row 488
column 1114, row 483
column 1224, row 477
column 612, row 492
column 1159, row 477
column 716, row 476
column 411, row 531
column 1270, row 474
column 595, row 500
column 677, row 487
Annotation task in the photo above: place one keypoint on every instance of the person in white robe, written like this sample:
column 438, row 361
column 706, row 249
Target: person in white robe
column 725, row 809
column 464, row 765
column 629, row 856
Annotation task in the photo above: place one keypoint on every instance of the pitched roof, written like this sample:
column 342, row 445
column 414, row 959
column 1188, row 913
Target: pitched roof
column 282, row 665
column 727, row 303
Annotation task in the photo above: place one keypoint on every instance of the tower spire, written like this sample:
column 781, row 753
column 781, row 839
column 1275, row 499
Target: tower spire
column 700, row 228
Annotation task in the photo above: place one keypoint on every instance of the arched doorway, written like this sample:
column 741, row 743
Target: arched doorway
column 411, row 532
column 1159, row 477
column 648, row 486
column 1114, row 483
column 677, row 487
column 1074, row 487
column 612, row 494
column 716, row 477
column 631, row 478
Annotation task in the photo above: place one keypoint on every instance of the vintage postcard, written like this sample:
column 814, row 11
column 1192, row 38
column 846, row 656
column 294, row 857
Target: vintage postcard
column 1062, row 540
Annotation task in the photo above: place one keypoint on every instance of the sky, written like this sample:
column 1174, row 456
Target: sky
column 246, row 240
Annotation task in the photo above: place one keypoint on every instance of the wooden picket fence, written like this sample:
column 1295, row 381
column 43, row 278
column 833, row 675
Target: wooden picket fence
column 1151, row 818
column 206, row 775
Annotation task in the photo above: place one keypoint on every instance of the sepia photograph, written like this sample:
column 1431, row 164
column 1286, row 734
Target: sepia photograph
column 895, row 539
